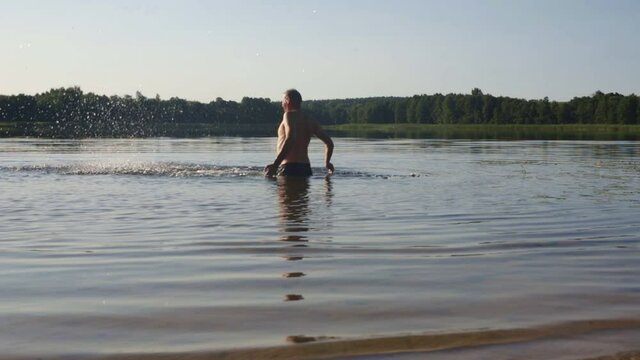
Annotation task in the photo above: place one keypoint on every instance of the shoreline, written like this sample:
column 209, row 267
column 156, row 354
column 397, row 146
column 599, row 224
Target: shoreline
column 493, row 131
column 609, row 132
column 611, row 339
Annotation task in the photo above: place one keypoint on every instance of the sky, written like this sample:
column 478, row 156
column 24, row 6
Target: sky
column 328, row 49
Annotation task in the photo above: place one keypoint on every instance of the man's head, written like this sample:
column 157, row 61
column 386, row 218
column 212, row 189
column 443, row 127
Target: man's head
column 292, row 100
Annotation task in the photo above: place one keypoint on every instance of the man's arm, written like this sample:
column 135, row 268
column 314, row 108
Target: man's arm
column 328, row 146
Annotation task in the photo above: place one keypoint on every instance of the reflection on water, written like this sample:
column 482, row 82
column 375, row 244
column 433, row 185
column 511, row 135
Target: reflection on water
column 293, row 196
column 293, row 257
column 301, row 339
column 293, row 199
column 293, row 297
column 295, row 274
column 294, row 223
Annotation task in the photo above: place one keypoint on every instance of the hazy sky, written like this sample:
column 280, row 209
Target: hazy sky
column 201, row 50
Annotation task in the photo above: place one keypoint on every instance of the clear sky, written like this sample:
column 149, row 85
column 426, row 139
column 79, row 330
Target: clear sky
column 200, row 50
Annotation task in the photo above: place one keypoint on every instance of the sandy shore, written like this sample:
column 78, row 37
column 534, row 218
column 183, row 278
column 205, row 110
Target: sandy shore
column 622, row 356
column 581, row 340
column 599, row 345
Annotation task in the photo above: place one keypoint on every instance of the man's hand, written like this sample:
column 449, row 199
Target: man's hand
column 330, row 168
column 270, row 170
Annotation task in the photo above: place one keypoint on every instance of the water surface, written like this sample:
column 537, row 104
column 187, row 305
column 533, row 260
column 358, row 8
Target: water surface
column 180, row 245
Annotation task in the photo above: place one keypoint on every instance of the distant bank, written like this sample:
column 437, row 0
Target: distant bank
column 413, row 131
column 491, row 132
column 72, row 113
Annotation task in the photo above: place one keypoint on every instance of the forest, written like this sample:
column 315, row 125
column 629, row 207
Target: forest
column 69, row 112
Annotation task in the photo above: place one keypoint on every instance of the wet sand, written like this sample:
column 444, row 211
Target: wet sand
column 615, row 339
column 622, row 356
column 599, row 345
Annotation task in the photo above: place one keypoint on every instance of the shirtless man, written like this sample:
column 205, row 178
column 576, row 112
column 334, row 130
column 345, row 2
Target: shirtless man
column 294, row 133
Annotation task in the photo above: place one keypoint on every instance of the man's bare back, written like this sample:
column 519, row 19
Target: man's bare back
column 294, row 134
column 301, row 130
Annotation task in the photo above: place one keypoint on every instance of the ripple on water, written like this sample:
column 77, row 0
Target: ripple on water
column 168, row 250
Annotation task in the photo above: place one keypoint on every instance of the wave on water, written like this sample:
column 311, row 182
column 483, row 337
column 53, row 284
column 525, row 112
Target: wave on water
column 169, row 169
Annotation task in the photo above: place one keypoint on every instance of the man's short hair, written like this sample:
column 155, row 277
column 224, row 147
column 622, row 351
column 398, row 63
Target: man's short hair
column 295, row 99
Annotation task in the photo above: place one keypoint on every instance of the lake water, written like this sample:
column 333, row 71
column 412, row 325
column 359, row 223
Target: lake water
column 118, row 246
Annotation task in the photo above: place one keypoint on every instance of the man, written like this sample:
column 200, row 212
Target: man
column 294, row 133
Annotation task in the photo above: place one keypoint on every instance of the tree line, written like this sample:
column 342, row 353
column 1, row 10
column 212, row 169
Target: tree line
column 71, row 112
column 479, row 108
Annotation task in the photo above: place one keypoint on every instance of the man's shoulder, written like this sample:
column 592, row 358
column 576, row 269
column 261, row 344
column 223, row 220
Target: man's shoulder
column 294, row 114
column 288, row 118
column 297, row 116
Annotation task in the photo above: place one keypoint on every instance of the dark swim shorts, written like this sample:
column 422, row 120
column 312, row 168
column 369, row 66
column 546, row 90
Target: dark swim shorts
column 295, row 169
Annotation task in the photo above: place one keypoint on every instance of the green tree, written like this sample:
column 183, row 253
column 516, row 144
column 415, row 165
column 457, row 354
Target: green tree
column 412, row 110
column 584, row 109
column 600, row 114
column 450, row 110
column 423, row 111
column 543, row 109
column 627, row 110
column 473, row 107
column 400, row 112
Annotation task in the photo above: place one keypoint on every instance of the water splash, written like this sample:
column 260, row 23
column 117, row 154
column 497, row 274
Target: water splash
column 175, row 169
column 142, row 168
